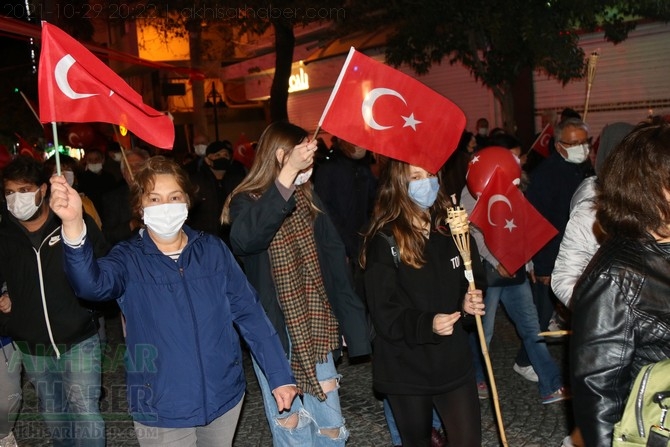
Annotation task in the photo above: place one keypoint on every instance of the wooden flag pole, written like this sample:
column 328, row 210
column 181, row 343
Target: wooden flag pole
column 457, row 219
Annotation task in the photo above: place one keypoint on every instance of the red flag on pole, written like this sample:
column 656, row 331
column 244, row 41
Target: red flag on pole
column 27, row 149
column 381, row 109
column 513, row 230
column 75, row 86
column 541, row 144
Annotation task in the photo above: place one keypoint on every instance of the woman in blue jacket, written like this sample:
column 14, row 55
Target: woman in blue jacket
column 182, row 293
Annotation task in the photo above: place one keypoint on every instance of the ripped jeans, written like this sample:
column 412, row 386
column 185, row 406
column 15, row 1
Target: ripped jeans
column 313, row 415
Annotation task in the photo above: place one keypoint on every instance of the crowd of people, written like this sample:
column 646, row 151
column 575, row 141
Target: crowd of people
column 313, row 249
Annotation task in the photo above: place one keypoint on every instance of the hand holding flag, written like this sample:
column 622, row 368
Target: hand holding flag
column 75, row 86
column 383, row 110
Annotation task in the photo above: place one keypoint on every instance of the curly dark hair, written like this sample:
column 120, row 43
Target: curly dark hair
column 145, row 178
column 634, row 185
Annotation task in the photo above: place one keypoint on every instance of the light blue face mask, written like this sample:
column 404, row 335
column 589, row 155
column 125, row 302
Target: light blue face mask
column 424, row 192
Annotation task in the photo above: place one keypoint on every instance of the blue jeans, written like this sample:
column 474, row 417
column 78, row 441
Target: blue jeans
column 313, row 415
column 68, row 393
column 520, row 307
column 10, row 388
column 393, row 428
column 544, row 303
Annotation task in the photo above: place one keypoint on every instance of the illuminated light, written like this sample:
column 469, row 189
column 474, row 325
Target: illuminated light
column 298, row 82
column 123, row 131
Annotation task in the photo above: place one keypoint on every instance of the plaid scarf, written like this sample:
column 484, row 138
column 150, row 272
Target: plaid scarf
column 311, row 324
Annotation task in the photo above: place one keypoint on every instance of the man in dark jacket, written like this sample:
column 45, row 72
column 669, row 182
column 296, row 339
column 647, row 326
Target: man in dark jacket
column 215, row 178
column 57, row 335
column 551, row 187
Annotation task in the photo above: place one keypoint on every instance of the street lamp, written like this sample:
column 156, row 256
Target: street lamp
column 215, row 101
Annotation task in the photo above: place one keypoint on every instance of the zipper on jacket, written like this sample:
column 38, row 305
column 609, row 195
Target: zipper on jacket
column 197, row 341
column 44, row 297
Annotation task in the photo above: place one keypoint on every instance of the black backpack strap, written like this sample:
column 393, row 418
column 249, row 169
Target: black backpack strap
column 394, row 247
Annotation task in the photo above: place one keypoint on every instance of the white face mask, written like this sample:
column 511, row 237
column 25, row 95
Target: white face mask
column 69, row 177
column 200, row 149
column 165, row 220
column 116, row 156
column 577, row 154
column 483, row 131
column 22, row 205
column 94, row 167
column 302, row 178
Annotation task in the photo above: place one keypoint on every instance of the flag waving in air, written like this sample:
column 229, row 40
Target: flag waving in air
column 541, row 144
column 513, row 230
column 381, row 109
column 75, row 86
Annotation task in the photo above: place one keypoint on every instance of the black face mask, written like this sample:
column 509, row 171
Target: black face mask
column 221, row 164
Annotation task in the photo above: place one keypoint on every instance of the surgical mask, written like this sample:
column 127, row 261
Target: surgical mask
column 22, row 205
column 221, row 164
column 424, row 192
column 200, row 149
column 483, row 131
column 95, row 167
column 302, row 178
column 69, row 177
column 577, row 154
column 116, row 156
column 165, row 220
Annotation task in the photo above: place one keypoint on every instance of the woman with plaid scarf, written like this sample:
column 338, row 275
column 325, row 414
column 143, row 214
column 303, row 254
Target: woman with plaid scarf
column 297, row 262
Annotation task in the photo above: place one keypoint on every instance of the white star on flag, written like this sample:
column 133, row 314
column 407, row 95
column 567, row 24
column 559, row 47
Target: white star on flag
column 510, row 225
column 411, row 121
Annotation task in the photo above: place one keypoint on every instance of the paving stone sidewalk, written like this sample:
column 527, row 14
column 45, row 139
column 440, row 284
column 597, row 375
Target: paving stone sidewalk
column 527, row 422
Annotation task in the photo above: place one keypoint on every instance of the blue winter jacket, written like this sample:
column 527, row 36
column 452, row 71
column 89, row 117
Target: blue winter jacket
column 183, row 359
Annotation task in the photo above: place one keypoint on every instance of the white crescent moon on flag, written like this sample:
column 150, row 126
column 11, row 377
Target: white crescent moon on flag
column 545, row 140
column 494, row 199
column 60, row 73
column 369, row 102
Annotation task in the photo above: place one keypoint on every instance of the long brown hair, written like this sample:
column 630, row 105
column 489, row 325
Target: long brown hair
column 266, row 167
column 634, row 183
column 396, row 209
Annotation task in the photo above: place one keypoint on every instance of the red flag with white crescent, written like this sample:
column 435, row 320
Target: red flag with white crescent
column 244, row 151
column 541, row 144
column 386, row 111
column 513, row 229
column 75, row 86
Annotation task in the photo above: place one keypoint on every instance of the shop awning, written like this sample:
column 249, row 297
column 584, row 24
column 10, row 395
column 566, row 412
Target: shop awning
column 361, row 41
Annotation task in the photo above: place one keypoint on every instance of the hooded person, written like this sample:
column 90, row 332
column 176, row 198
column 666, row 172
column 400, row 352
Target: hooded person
column 580, row 240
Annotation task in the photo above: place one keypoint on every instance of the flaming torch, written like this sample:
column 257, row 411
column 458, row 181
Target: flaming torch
column 457, row 218
column 590, row 74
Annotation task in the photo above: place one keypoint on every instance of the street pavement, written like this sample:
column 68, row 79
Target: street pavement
column 527, row 422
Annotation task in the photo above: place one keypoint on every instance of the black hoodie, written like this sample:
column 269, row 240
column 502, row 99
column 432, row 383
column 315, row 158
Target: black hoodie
column 69, row 320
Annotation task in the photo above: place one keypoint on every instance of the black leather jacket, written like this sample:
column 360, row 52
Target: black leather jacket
column 621, row 322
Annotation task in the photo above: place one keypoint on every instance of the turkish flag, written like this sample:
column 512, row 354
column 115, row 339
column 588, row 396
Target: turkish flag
column 383, row 110
column 541, row 144
column 75, row 86
column 27, row 149
column 513, row 230
column 244, row 151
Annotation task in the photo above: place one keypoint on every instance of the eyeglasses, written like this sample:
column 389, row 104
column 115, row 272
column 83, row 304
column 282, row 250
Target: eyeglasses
column 573, row 144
